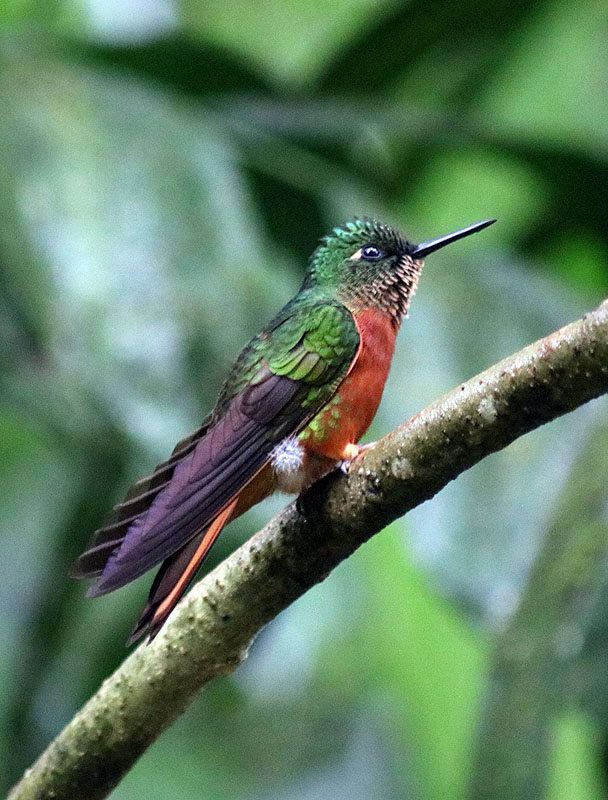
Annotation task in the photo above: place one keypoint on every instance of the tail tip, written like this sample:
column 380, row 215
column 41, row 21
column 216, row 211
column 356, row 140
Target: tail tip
column 147, row 624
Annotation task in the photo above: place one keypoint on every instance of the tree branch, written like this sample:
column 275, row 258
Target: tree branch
column 212, row 629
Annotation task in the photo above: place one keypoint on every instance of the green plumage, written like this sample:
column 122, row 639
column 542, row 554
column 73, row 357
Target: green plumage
column 313, row 341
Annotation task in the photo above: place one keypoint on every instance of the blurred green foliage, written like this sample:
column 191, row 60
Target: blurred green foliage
column 166, row 169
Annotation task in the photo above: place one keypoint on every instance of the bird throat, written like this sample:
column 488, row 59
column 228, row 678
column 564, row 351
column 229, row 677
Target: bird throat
column 391, row 292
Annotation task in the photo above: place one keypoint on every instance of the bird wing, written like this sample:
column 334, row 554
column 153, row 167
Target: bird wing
column 299, row 363
column 138, row 500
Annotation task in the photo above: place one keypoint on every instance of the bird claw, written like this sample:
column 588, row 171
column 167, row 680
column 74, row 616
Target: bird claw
column 356, row 451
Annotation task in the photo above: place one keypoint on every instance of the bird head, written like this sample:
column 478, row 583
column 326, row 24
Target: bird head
column 369, row 264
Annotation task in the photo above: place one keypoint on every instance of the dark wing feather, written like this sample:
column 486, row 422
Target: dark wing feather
column 303, row 360
column 222, row 462
column 138, row 500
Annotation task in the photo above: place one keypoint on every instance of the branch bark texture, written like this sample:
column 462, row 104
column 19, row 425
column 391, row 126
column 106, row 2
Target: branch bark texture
column 212, row 629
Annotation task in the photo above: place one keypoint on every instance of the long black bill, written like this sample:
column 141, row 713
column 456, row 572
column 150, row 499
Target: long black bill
column 422, row 250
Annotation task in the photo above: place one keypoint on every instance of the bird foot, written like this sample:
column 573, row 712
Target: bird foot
column 352, row 453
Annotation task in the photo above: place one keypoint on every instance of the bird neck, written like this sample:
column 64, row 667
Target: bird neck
column 389, row 294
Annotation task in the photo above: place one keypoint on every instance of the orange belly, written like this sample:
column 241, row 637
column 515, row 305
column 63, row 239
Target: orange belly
column 344, row 420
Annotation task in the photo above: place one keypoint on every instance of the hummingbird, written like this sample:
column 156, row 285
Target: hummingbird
column 294, row 406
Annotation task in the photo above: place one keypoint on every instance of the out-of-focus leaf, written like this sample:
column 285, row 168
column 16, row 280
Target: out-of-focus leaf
column 12, row 11
column 551, row 88
column 463, row 185
column 277, row 37
column 416, row 49
column 189, row 66
column 575, row 773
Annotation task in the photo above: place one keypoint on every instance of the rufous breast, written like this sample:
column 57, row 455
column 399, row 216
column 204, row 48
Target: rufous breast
column 348, row 415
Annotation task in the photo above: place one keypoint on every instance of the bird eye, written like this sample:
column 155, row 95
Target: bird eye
column 372, row 253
